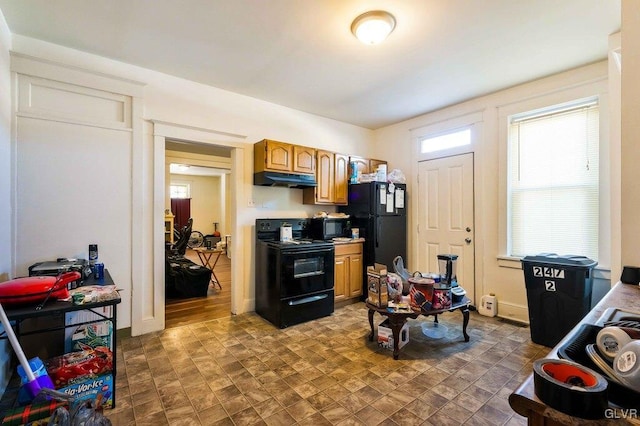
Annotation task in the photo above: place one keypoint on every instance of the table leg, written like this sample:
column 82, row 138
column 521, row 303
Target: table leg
column 371, row 312
column 465, row 322
column 213, row 274
column 396, row 327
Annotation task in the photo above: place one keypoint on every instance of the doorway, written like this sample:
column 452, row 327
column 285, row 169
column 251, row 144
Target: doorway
column 446, row 216
column 148, row 314
column 199, row 175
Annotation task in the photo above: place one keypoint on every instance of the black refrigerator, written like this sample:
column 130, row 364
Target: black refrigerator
column 379, row 210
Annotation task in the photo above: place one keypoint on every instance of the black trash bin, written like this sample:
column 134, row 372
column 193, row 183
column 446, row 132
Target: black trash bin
column 558, row 294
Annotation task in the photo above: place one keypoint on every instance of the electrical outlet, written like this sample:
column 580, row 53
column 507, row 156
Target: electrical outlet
column 251, row 203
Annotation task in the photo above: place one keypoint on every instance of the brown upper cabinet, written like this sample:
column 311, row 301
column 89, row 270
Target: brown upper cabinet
column 366, row 165
column 331, row 177
column 283, row 157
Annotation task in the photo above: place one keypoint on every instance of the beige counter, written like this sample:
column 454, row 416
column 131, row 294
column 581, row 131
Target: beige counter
column 524, row 401
column 347, row 240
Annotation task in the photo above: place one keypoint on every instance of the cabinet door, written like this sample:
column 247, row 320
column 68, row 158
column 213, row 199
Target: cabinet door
column 340, row 277
column 355, row 275
column 279, row 156
column 362, row 164
column 341, row 173
column 373, row 165
column 325, row 177
column 304, row 159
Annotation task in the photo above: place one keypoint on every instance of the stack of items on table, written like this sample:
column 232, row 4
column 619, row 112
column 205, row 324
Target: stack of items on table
column 403, row 292
column 184, row 278
column 83, row 374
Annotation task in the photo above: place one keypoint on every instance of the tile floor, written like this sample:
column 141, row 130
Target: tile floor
column 243, row 371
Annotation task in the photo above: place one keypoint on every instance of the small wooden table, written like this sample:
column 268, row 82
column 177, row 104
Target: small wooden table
column 398, row 319
column 205, row 255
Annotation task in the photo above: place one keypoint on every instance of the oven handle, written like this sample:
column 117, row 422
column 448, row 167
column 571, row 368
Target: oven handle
column 309, row 299
column 313, row 251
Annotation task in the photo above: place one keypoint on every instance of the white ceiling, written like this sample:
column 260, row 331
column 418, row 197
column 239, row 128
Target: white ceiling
column 301, row 53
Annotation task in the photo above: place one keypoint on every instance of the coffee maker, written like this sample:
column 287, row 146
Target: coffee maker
column 447, row 266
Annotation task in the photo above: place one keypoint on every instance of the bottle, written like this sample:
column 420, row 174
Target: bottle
column 93, row 254
column 488, row 305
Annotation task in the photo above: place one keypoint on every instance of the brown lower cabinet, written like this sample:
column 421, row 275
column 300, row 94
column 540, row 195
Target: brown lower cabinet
column 348, row 270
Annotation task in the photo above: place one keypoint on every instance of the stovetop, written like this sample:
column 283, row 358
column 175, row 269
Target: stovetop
column 302, row 243
column 268, row 231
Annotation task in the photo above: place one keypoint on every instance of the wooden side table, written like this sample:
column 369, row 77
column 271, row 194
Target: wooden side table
column 398, row 319
column 206, row 255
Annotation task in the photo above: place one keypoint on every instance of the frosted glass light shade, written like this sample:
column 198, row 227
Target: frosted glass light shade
column 373, row 27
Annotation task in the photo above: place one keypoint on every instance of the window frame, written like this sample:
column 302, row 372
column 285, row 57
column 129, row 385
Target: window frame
column 180, row 184
column 595, row 89
column 549, row 113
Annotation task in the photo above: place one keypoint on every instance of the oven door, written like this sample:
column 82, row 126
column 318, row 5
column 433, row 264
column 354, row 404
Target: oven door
column 306, row 270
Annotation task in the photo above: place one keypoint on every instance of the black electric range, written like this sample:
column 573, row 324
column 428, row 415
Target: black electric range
column 294, row 279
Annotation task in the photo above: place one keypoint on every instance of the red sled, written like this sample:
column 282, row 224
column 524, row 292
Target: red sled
column 29, row 290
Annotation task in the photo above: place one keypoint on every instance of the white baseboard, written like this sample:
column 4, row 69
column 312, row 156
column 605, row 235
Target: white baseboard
column 513, row 312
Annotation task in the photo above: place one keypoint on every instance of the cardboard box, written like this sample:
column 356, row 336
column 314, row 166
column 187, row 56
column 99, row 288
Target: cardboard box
column 377, row 285
column 89, row 331
column 385, row 335
column 98, row 389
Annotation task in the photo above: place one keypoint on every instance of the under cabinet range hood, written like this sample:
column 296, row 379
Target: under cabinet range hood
column 290, row 180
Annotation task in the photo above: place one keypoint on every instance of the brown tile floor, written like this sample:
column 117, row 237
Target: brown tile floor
column 243, row 371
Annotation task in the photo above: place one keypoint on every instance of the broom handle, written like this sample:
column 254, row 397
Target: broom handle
column 16, row 345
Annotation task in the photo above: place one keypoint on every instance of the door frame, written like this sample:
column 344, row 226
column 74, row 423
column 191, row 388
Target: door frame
column 474, row 121
column 149, row 314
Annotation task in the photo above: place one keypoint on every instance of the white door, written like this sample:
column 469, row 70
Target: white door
column 445, row 216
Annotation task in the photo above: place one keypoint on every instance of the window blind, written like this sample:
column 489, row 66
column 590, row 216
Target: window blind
column 553, row 182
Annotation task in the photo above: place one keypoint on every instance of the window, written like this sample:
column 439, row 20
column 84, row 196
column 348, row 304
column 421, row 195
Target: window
column 180, row 190
column 446, row 141
column 553, row 180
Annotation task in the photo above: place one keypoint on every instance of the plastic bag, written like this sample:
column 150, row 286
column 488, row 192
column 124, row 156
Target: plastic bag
column 83, row 414
column 394, row 287
column 398, row 266
column 396, row 176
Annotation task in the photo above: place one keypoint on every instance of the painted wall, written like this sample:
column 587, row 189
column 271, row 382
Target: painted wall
column 6, row 199
column 630, row 152
column 495, row 273
column 222, row 203
column 6, row 165
column 206, row 200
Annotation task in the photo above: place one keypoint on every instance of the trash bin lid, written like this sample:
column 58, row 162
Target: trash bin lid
column 564, row 260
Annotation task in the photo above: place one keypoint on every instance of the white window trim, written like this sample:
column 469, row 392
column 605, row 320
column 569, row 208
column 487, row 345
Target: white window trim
column 178, row 183
column 466, row 121
column 570, row 94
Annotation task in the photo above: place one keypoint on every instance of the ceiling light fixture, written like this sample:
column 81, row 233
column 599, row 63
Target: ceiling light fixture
column 373, row 27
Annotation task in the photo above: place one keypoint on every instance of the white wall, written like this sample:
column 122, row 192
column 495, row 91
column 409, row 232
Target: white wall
column 6, row 200
column 630, row 152
column 206, row 200
column 6, row 165
column 505, row 278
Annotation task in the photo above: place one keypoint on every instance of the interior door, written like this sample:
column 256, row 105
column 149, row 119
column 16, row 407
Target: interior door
column 445, row 216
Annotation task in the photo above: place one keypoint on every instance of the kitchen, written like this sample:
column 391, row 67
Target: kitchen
column 212, row 117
